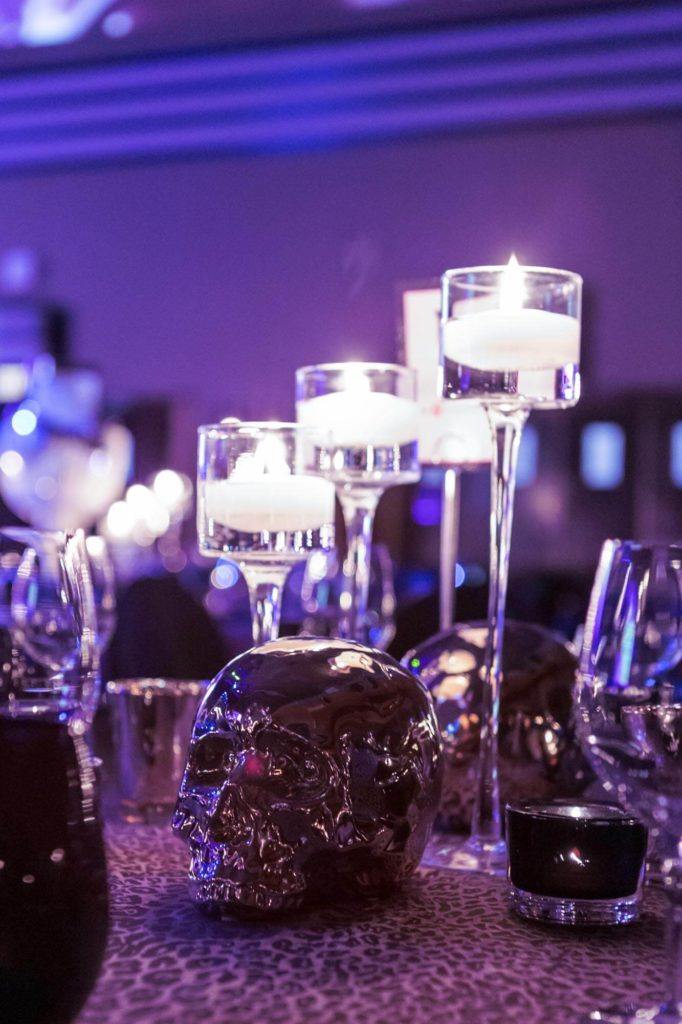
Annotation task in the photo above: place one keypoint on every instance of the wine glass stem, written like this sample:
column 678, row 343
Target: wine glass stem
column 672, row 1005
column 266, row 587
column 506, row 426
column 449, row 543
column 358, row 513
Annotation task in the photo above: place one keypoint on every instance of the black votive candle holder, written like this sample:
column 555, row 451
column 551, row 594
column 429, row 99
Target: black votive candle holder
column 575, row 863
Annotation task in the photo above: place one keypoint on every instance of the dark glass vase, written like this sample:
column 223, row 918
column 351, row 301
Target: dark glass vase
column 53, row 890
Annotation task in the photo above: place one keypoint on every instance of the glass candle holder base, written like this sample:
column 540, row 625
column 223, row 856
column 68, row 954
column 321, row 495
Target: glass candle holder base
column 561, row 910
column 634, row 1015
column 285, row 547
column 552, row 388
column 456, row 853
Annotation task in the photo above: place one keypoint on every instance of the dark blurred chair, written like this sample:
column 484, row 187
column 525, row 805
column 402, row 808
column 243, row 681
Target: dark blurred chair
column 554, row 599
column 163, row 632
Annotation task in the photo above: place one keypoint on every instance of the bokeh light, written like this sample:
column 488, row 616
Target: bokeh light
column 24, row 421
column 11, row 463
column 120, row 521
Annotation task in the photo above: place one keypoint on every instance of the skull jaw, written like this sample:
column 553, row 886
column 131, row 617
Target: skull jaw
column 222, row 898
column 363, row 866
column 218, row 888
column 222, row 883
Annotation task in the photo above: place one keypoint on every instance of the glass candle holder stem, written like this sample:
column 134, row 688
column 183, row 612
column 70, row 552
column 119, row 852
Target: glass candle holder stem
column 266, row 589
column 359, row 508
column 449, row 545
column 486, row 829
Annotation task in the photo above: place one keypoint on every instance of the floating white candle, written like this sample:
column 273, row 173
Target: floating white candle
column 255, row 506
column 529, row 339
column 511, row 338
column 357, row 416
column 263, row 495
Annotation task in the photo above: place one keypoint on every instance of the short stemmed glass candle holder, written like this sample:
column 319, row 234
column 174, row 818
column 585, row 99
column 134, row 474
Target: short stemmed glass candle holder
column 370, row 413
column 263, row 504
column 510, row 336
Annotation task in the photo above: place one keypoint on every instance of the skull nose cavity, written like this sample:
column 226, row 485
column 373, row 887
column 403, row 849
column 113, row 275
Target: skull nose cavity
column 230, row 818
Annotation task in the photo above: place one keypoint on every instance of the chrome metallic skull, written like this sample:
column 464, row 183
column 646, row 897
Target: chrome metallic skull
column 314, row 771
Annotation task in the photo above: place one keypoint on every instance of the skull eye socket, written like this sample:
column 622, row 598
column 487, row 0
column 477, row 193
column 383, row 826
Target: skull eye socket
column 210, row 756
column 292, row 767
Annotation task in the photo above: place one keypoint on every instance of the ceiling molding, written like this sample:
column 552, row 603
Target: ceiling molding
column 599, row 64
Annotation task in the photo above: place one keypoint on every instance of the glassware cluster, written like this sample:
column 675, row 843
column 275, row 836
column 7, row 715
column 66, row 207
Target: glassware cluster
column 630, row 719
column 509, row 343
column 48, row 626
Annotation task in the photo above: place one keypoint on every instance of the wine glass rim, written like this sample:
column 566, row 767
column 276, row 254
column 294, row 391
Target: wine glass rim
column 635, row 709
column 492, row 268
column 160, row 686
column 346, row 364
column 21, row 534
column 616, row 543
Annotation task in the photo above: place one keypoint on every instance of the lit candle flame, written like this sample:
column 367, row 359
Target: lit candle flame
column 268, row 458
column 512, row 287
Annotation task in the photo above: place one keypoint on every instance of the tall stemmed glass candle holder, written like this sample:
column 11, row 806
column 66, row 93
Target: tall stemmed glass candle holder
column 372, row 417
column 510, row 336
column 263, row 505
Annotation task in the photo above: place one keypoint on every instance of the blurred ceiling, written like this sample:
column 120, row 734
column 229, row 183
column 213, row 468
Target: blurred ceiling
column 170, row 99
column 44, row 32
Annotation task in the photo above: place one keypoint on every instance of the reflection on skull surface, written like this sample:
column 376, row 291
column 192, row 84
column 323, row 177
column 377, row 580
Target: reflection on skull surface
column 314, row 769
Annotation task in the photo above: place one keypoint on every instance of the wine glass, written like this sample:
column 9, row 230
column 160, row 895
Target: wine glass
column 370, row 412
column 627, row 720
column 510, row 336
column 103, row 579
column 262, row 503
column 48, row 630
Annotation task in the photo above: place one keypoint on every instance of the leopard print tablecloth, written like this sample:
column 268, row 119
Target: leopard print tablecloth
column 443, row 951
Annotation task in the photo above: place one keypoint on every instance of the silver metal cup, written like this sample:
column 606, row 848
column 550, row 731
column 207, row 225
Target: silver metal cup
column 151, row 725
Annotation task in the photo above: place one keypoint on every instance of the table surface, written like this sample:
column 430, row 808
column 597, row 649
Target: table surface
column 444, row 950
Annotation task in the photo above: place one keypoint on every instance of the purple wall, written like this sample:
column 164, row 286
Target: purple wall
column 215, row 279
